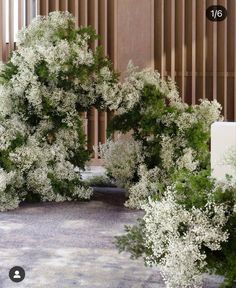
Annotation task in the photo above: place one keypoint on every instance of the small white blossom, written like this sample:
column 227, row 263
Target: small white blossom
column 175, row 236
column 147, row 186
column 121, row 159
column 188, row 161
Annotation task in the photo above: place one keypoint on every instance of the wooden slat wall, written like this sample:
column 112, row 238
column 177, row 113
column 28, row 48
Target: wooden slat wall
column 201, row 56
column 198, row 54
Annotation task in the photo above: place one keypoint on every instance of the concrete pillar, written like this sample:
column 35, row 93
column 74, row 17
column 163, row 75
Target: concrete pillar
column 223, row 142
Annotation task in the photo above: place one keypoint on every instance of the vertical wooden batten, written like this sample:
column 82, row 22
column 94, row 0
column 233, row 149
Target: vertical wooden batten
column 193, row 51
column 203, row 50
column 43, row 7
column 3, row 32
column 172, row 40
column 214, row 55
column 73, row 7
column 134, row 36
column 20, row 14
column 29, row 11
column 83, row 12
column 159, row 55
column 234, row 9
column 54, row 5
column 63, row 4
column 102, row 31
column 180, row 49
column 102, row 25
column 11, row 21
column 93, row 113
column 222, row 62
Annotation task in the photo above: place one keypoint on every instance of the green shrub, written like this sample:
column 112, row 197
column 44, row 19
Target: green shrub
column 51, row 77
column 189, row 222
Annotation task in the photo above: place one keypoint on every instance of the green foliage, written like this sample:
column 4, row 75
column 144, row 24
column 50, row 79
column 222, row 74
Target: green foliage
column 146, row 121
column 133, row 241
column 8, row 72
column 5, row 162
column 42, row 72
column 193, row 189
column 51, row 76
column 64, row 188
column 88, row 31
column 157, row 116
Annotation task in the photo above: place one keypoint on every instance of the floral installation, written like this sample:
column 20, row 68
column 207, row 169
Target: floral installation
column 48, row 80
column 187, row 230
column 172, row 134
column 177, row 238
column 190, row 220
column 189, row 223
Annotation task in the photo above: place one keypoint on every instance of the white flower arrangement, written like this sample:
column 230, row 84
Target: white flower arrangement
column 48, row 80
column 176, row 235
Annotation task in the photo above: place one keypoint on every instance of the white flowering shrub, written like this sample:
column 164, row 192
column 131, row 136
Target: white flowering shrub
column 121, row 159
column 145, row 187
column 177, row 238
column 190, row 220
column 173, row 134
column 47, row 81
column 9, row 182
column 127, row 94
column 188, row 230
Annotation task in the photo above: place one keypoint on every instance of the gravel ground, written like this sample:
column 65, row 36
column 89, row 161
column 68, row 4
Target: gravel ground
column 63, row 245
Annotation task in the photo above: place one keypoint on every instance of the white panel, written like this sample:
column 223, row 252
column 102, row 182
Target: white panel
column 223, row 142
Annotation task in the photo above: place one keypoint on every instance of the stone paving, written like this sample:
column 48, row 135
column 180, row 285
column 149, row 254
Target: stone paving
column 63, row 245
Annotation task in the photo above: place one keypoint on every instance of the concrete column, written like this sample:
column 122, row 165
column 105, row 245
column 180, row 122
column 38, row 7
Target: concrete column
column 223, row 143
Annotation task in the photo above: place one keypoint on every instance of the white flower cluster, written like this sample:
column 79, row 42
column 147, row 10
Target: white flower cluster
column 123, row 96
column 48, row 77
column 167, row 151
column 175, row 149
column 176, row 235
column 10, row 129
column 146, row 187
column 121, row 158
column 208, row 112
column 57, row 56
column 6, row 101
column 9, row 199
column 43, row 28
column 188, row 161
column 170, row 159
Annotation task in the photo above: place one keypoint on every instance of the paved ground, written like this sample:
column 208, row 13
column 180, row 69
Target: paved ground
column 71, row 245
